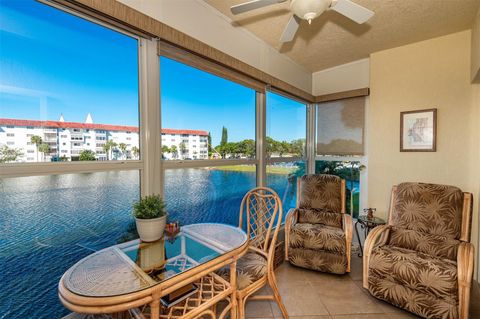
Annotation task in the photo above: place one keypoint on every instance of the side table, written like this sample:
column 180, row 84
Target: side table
column 366, row 224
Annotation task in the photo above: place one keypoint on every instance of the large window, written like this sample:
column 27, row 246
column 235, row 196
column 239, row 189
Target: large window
column 48, row 223
column 286, row 127
column 68, row 87
column 204, row 116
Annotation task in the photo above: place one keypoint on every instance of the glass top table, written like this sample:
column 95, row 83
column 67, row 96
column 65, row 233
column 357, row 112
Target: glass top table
column 135, row 266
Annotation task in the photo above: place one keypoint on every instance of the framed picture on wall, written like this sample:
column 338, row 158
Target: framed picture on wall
column 418, row 130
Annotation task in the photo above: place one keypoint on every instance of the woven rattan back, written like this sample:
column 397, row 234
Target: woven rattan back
column 262, row 209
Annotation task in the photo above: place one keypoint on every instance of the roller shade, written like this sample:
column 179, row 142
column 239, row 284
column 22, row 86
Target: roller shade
column 340, row 127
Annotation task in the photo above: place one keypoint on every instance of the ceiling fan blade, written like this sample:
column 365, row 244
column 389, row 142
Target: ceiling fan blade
column 290, row 30
column 252, row 5
column 352, row 10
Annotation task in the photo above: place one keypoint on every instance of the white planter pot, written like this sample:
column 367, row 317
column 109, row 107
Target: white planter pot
column 151, row 229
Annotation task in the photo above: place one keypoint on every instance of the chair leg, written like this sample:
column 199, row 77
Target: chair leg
column 276, row 294
column 241, row 308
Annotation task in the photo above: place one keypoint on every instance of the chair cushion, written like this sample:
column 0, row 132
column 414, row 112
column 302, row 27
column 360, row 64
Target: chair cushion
column 432, row 245
column 322, row 192
column 317, row 216
column 318, row 237
column 428, row 208
column 250, row 268
column 425, row 306
column 400, row 267
column 319, row 260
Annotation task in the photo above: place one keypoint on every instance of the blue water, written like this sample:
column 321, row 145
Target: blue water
column 50, row 222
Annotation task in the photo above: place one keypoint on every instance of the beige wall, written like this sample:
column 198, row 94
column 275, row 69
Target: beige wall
column 428, row 74
column 197, row 19
column 476, row 49
column 349, row 76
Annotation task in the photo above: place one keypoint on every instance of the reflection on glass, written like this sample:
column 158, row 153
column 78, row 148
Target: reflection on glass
column 62, row 100
column 204, row 116
column 350, row 172
column 209, row 194
column 282, row 178
column 48, row 223
column 286, row 127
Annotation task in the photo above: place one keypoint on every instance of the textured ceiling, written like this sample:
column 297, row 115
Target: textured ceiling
column 333, row 39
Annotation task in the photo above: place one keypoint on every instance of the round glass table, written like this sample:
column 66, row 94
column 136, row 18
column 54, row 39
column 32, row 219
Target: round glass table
column 135, row 273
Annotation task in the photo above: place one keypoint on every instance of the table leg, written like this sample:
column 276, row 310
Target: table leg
column 155, row 309
column 360, row 254
column 233, row 283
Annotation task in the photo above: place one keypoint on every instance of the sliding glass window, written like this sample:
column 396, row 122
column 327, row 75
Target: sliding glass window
column 68, row 92
column 206, row 119
column 286, row 141
column 68, row 88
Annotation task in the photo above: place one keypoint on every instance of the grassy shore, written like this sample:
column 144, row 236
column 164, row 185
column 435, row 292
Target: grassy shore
column 281, row 170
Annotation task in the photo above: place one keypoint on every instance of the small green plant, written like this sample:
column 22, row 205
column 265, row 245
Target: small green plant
column 149, row 207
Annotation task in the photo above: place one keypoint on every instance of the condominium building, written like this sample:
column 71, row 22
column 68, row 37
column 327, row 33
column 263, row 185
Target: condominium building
column 66, row 140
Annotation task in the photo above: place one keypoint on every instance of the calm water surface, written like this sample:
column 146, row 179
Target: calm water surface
column 47, row 223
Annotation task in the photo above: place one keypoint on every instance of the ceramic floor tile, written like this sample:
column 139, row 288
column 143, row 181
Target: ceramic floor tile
column 360, row 316
column 258, row 309
column 345, row 297
column 300, row 299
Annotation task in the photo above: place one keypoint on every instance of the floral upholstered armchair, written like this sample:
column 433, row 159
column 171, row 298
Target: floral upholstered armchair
column 318, row 233
column 422, row 260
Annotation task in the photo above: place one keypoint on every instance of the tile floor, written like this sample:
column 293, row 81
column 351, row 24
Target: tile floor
column 313, row 295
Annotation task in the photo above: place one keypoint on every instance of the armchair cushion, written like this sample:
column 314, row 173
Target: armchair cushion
column 250, row 268
column 322, row 192
column 318, row 237
column 392, row 269
column 428, row 208
column 320, row 260
column 316, row 216
column 432, row 245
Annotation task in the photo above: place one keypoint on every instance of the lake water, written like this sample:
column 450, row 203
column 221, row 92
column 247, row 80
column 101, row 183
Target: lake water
column 47, row 223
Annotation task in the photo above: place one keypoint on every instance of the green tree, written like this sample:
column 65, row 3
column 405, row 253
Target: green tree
column 283, row 147
column 166, row 149
column 9, row 154
column 135, row 152
column 209, row 141
column 247, row 148
column 43, row 148
column 123, row 148
column 37, row 140
column 108, row 147
column 272, row 146
column 222, row 149
column 174, row 151
column 297, row 147
column 87, row 155
column 183, row 148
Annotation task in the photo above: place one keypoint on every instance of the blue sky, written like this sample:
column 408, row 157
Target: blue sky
column 53, row 63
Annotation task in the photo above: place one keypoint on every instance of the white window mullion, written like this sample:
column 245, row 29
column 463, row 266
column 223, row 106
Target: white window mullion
column 150, row 121
column 311, row 131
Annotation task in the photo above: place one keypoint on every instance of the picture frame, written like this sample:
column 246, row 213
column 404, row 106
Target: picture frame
column 418, row 131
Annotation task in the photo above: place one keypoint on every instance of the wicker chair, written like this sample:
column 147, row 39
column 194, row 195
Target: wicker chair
column 318, row 233
column 261, row 209
column 422, row 260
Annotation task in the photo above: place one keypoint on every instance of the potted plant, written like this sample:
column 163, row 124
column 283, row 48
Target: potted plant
column 150, row 217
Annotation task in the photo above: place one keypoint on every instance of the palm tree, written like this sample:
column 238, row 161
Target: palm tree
column 44, row 148
column 9, row 154
column 174, row 151
column 135, row 152
column 37, row 140
column 183, row 148
column 123, row 149
column 108, row 146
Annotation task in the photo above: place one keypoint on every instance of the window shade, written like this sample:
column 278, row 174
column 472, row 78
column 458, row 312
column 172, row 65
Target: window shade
column 340, row 127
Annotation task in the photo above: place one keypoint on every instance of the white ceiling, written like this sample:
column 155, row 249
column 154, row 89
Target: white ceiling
column 332, row 39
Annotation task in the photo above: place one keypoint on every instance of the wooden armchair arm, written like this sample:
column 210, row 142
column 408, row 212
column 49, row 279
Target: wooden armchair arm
column 290, row 220
column 465, row 255
column 347, row 225
column 372, row 238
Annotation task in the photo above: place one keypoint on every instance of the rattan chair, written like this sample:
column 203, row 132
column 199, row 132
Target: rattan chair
column 261, row 210
column 318, row 233
column 422, row 260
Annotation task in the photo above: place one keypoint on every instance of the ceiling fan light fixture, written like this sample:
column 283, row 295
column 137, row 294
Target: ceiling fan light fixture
column 309, row 9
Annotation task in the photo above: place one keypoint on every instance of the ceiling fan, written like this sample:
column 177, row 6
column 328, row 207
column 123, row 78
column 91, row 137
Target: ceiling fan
column 308, row 10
